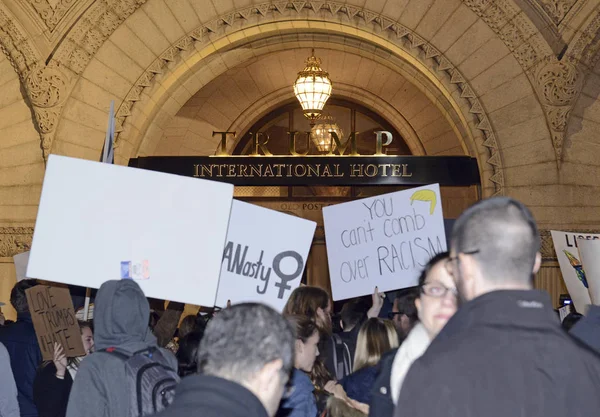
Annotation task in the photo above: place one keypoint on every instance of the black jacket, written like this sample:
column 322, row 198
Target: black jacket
column 503, row 354
column 381, row 404
column 587, row 329
column 51, row 394
column 209, row 396
column 21, row 343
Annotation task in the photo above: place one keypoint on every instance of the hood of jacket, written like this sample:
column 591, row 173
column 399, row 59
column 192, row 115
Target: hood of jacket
column 121, row 315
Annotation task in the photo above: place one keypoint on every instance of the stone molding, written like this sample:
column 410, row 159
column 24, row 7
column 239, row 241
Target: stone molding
column 14, row 240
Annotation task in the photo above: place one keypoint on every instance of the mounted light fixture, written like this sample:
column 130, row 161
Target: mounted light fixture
column 321, row 136
column 312, row 88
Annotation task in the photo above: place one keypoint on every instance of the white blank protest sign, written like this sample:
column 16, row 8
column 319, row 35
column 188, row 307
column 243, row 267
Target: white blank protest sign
column 589, row 249
column 264, row 256
column 383, row 241
column 98, row 222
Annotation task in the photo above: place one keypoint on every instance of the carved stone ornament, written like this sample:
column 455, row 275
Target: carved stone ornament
column 557, row 9
column 47, row 88
column 559, row 84
column 15, row 240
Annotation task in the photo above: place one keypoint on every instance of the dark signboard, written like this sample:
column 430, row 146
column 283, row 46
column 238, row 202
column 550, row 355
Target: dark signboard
column 320, row 170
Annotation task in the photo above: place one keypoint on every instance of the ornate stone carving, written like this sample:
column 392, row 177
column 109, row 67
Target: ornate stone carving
column 47, row 88
column 14, row 240
column 559, row 84
column 52, row 13
column 328, row 10
column 97, row 24
column 16, row 46
column 557, row 9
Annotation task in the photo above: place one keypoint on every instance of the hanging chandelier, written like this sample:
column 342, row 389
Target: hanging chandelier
column 321, row 133
column 312, row 88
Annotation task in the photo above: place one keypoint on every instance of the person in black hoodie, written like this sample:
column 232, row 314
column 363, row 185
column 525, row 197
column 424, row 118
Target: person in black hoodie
column 54, row 379
column 503, row 353
column 244, row 362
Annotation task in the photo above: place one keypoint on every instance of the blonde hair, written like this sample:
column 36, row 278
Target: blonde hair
column 376, row 337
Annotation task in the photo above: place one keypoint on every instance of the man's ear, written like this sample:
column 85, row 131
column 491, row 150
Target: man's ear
column 538, row 263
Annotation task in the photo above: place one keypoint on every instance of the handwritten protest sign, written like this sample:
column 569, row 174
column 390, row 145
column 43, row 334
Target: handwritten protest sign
column 589, row 250
column 54, row 320
column 565, row 245
column 264, row 256
column 98, row 222
column 383, row 241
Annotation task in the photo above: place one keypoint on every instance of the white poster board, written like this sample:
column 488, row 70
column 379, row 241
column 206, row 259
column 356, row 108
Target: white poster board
column 21, row 260
column 565, row 245
column 383, row 241
column 98, row 222
column 589, row 250
column 264, row 256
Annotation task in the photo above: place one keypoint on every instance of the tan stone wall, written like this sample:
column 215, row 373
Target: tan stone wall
column 460, row 76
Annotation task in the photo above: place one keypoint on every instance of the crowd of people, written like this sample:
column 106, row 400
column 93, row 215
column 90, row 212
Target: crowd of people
column 473, row 338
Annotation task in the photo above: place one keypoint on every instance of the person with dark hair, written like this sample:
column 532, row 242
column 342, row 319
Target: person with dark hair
column 9, row 405
column 21, row 343
column 503, row 353
column 244, row 361
column 116, row 377
column 54, row 379
column 404, row 313
column 435, row 304
column 314, row 303
column 570, row 320
column 187, row 354
column 302, row 401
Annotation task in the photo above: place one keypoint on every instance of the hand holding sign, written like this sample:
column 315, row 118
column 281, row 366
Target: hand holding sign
column 54, row 321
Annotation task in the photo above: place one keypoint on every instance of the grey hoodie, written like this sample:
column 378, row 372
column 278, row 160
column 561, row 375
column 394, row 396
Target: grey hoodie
column 9, row 406
column 121, row 315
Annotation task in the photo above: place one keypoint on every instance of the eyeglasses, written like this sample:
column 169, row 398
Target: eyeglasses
column 451, row 263
column 392, row 315
column 437, row 290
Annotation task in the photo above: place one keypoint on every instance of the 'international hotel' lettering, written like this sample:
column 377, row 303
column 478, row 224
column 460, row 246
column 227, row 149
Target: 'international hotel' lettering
column 299, row 170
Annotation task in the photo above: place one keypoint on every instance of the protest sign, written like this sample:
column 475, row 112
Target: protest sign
column 54, row 320
column 565, row 245
column 589, row 251
column 264, row 256
column 383, row 241
column 21, row 260
column 98, row 222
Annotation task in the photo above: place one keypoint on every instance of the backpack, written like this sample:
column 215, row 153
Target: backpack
column 341, row 357
column 152, row 380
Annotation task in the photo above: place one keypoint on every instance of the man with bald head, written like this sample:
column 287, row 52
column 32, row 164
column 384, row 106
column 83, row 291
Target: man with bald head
column 503, row 353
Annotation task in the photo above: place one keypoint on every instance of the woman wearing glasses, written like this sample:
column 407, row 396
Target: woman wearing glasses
column 436, row 303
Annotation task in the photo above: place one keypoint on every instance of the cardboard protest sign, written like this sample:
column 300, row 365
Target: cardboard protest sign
column 98, row 222
column 565, row 245
column 383, row 241
column 21, row 260
column 264, row 256
column 54, row 320
column 589, row 251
